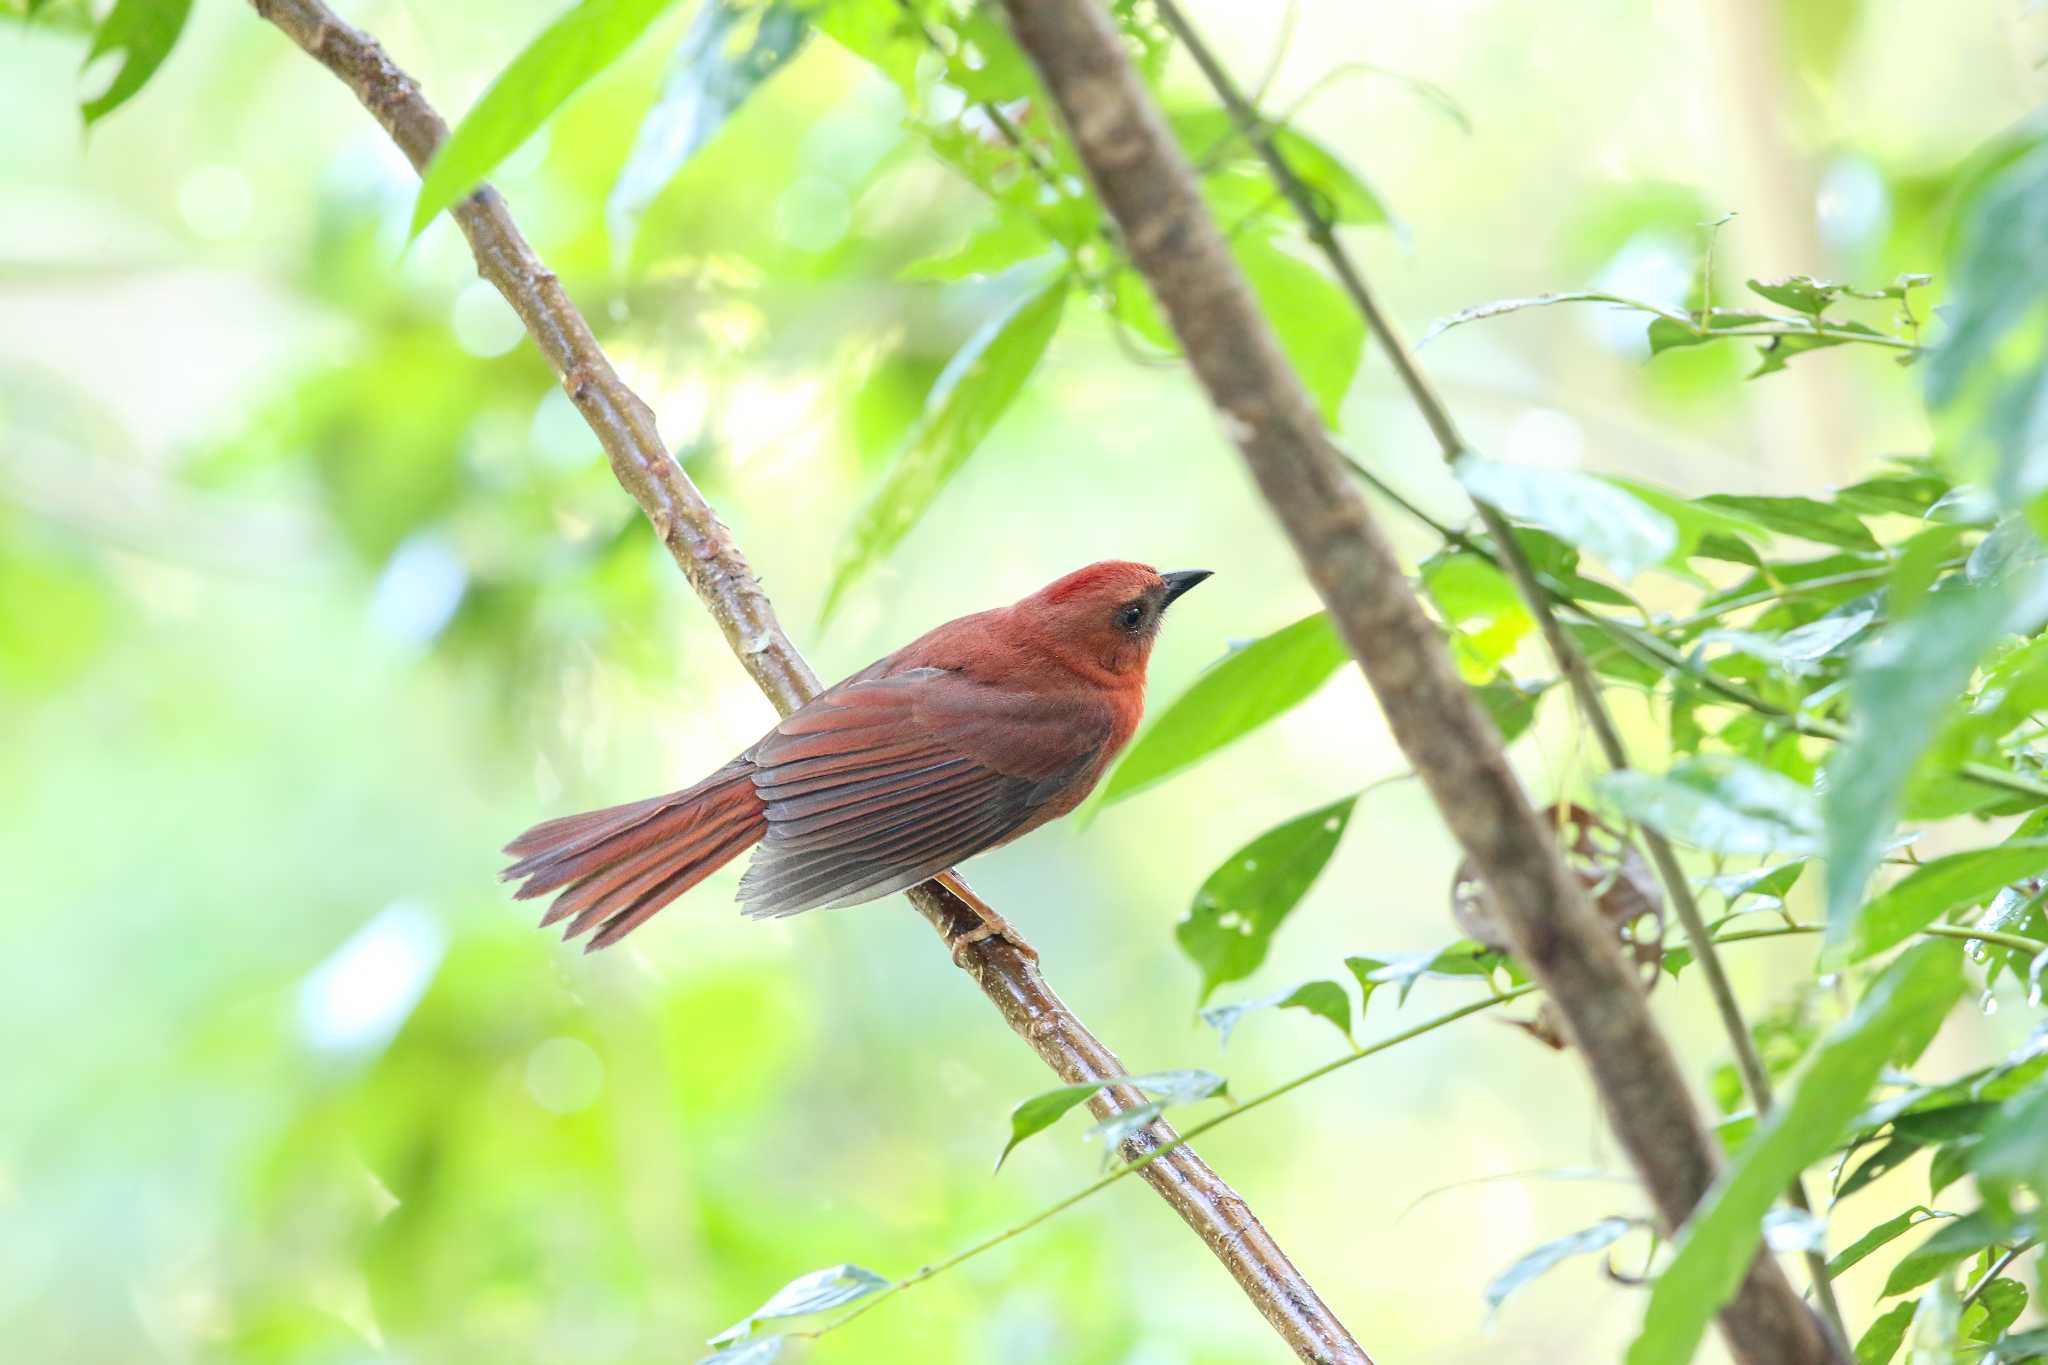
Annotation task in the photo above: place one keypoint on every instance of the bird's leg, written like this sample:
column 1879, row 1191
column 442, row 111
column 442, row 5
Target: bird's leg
column 993, row 925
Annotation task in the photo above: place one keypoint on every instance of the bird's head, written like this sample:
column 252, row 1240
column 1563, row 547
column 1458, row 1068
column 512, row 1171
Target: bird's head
column 1106, row 615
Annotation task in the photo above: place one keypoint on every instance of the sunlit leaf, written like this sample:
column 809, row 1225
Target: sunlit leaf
column 1882, row 1339
column 1228, row 929
column 1324, row 999
column 1212, row 141
column 1584, row 1242
column 1883, row 1234
column 1929, row 892
column 1591, row 513
column 1820, row 522
column 555, row 65
column 754, row 1351
column 1248, row 687
column 143, row 33
column 1901, row 685
column 731, row 48
column 1003, row 241
column 1461, row 959
column 1937, row 1324
column 1041, row 1111
column 1319, row 329
column 1801, row 293
column 1720, row 803
column 1998, row 1306
column 967, row 400
column 832, row 1287
column 1721, row 1238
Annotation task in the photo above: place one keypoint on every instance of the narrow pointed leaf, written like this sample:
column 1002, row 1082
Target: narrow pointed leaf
column 1929, row 892
column 1723, row 1234
column 969, row 397
column 1584, row 1242
column 1243, row 691
column 581, row 43
column 731, row 48
column 143, row 32
column 832, row 1287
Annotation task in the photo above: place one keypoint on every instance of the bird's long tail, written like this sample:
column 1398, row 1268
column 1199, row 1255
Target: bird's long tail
column 616, row 867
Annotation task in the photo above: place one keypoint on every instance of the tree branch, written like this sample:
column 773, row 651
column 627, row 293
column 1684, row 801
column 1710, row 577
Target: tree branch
column 1149, row 188
column 1571, row 662
column 718, row 572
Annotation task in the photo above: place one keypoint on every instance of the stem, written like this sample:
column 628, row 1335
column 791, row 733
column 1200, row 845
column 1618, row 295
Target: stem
column 1130, row 1168
column 1146, row 184
column 1995, row 1269
column 705, row 551
column 1538, row 598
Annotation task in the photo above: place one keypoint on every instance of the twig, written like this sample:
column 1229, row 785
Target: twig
column 1149, row 187
column 1995, row 1269
column 708, row 557
column 1133, row 1167
column 1538, row 598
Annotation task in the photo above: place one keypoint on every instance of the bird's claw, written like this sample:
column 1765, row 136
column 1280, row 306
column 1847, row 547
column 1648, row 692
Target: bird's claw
column 984, row 931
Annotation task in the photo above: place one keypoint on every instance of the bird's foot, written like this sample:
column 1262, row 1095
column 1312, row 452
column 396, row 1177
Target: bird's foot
column 992, row 925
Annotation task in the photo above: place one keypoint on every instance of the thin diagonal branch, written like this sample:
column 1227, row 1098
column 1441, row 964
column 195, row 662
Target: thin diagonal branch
column 1571, row 662
column 709, row 558
column 1150, row 189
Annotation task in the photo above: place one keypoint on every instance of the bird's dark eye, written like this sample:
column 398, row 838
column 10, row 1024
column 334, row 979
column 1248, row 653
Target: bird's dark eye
column 1132, row 616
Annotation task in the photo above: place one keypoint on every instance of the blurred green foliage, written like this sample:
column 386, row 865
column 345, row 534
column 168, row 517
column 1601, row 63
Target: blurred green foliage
column 313, row 588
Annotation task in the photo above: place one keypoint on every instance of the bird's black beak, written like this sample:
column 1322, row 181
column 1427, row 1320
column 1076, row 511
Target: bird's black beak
column 1179, row 581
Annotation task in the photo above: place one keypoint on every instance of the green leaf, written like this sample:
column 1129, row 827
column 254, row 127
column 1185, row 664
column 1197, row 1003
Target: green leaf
column 1486, row 615
column 1248, row 687
column 1511, row 705
column 2000, row 279
column 1801, row 293
column 1584, row 1242
column 1695, row 523
column 1881, row 1341
column 2032, row 1345
column 1884, row 1233
column 1958, row 1239
column 731, row 48
column 1324, row 999
column 1170, row 1088
column 757, row 1351
column 1901, row 685
column 1003, row 241
column 1937, row 1323
column 1998, row 1306
column 1720, row 803
column 554, row 66
column 1464, row 958
column 832, row 1287
column 1593, row 514
column 1363, row 968
column 1321, row 332
column 1820, row 522
column 1721, row 1238
column 1041, row 1111
column 966, row 401
column 2014, row 1148
column 1212, row 142
column 1929, row 892
column 143, row 32
column 1230, row 925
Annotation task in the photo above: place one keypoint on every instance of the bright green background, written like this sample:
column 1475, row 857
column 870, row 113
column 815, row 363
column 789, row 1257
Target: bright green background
column 248, row 441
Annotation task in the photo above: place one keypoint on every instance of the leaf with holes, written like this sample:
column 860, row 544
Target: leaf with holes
column 966, row 401
column 1228, row 929
column 1248, row 687
column 554, row 66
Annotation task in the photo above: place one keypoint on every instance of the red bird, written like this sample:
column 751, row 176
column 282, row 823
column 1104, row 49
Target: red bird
column 966, row 738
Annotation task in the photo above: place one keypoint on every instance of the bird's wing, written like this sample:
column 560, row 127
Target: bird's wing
column 884, row 782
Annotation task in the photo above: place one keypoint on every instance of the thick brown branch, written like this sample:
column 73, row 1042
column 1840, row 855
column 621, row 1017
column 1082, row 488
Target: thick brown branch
column 1535, row 595
column 708, row 557
column 1152, row 192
